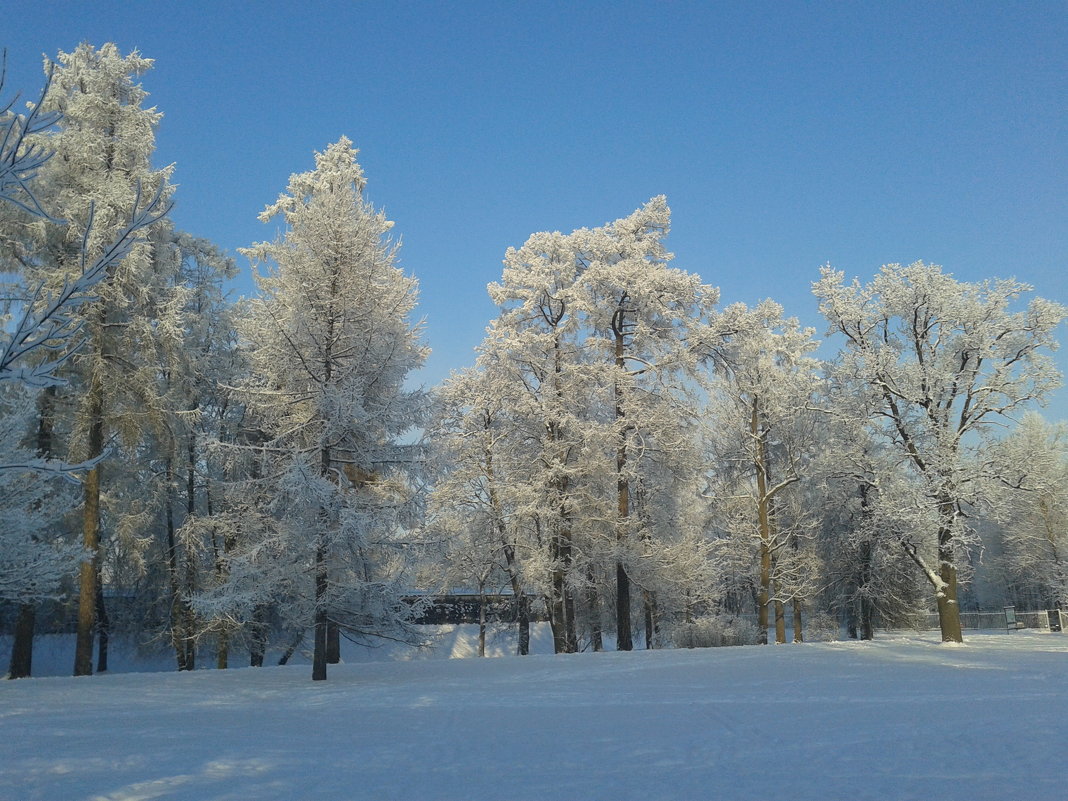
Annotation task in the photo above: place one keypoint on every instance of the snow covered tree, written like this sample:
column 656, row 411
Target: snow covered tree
column 49, row 310
column 1032, row 509
column 944, row 362
column 194, row 360
column 649, row 324
column 601, row 340
column 764, row 432
column 35, row 556
column 533, row 353
column 97, row 180
column 477, row 501
column 330, row 344
column 864, row 516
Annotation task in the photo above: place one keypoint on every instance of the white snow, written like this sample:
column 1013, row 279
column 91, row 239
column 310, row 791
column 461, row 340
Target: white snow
column 899, row 718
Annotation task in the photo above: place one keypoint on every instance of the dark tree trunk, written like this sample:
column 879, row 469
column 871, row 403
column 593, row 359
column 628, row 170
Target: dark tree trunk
column 291, row 649
column 258, row 647
column 593, row 605
column 570, row 630
column 103, row 625
column 481, row 622
column 799, row 634
column 867, row 618
column 652, row 624
column 555, row 606
column 189, row 622
column 867, row 604
column 624, row 638
column 178, row 632
column 522, row 616
column 83, row 647
column 22, row 646
column 222, row 649
column 319, row 655
column 333, row 642
column 562, row 603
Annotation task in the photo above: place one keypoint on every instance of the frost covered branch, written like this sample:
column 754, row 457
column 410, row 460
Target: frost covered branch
column 47, row 322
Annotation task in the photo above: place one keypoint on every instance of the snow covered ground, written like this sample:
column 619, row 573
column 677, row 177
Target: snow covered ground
column 902, row 717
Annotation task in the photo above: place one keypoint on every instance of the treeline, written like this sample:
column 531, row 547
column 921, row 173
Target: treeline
column 628, row 456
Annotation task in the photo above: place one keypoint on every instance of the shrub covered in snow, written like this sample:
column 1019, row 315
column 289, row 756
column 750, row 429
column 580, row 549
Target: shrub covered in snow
column 821, row 627
column 712, row 632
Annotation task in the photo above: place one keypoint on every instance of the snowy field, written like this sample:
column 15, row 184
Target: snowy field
column 903, row 717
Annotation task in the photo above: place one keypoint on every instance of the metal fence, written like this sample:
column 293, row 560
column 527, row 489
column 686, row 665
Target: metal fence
column 1040, row 620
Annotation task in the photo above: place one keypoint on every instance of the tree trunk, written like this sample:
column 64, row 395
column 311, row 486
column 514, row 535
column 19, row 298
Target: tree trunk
column 103, row 626
column 763, row 523
column 481, row 622
column 624, row 640
column 948, row 608
column 624, row 637
column 88, row 575
column 258, row 647
column 523, row 624
column 867, row 605
column 556, row 619
column 799, row 634
column 570, row 630
column 22, row 645
column 522, row 605
column 763, row 593
column 189, row 622
column 178, row 633
column 319, row 655
column 291, row 649
column 83, row 647
column 562, row 604
column 780, row 622
column 333, row 642
column 222, row 649
column 651, row 624
column 593, row 607
column 867, row 618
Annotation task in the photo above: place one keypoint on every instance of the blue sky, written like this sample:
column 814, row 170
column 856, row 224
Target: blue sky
column 785, row 135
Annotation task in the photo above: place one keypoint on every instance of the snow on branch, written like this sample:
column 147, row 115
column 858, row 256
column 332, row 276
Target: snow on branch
column 47, row 322
column 20, row 160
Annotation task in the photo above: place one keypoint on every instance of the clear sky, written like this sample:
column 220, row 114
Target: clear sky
column 785, row 135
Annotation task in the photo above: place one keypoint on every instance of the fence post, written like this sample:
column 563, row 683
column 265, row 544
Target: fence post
column 1010, row 618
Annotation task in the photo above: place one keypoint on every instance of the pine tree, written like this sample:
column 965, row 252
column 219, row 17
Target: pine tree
column 330, row 344
column 97, row 180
